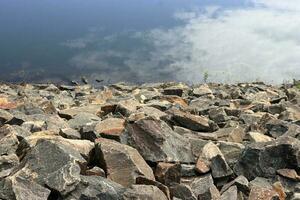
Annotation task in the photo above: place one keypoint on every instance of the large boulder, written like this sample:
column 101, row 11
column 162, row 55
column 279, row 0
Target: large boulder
column 157, row 142
column 122, row 163
column 263, row 159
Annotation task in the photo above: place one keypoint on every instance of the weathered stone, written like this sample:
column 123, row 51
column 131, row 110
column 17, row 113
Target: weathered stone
column 218, row 164
column 231, row 151
column 152, row 112
column 96, row 187
column 289, row 173
column 111, row 128
column 22, row 189
column 8, row 141
column 263, row 159
column 126, row 107
column 240, row 182
column 202, row 184
column 141, row 180
column 188, row 170
column 81, row 119
column 122, row 163
column 69, row 133
column 211, row 194
column 5, row 116
column 193, row 122
column 258, row 193
column 202, row 90
column 7, row 162
column 230, row 194
column 157, row 142
column 259, row 137
column 141, row 192
column 181, row 191
column 218, row 115
column 168, row 173
column 201, row 166
column 95, row 171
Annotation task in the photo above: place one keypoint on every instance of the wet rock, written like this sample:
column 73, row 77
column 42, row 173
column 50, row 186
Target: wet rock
column 122, row 163
column 157, row 142
column 193, row 122
column 263, row 159
column 168, row 173
column 111, row 128
column 140, row 192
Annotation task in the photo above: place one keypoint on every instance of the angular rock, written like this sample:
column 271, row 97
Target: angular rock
column 263, row 159
column 259, row 137
column 141, row 192
column 201, row 166
column 193, row 122
column 82, row 119
column 181, row 191
column 218, row 164
column 289, row 173
column 69, row 133
column 122, row 163
column 230, row 194
column 211, row 194
column 111, row 128
column 157, row 142
column 218, row 115
column 5, row 116
column 127, row 107
column 168, row 173
column 202, row 184
column 231, row 151
column 263, row 193
column 96, row 187
column 240, row 182
column 202, row 90
column 95, row 171
column 8, row 141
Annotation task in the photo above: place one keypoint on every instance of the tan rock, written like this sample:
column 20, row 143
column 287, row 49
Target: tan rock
column 201, row 167
column 259, row 137
column 259, row 193
column 110, row 127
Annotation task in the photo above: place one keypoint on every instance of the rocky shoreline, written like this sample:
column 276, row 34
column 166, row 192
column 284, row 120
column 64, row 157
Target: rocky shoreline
column 157, row 141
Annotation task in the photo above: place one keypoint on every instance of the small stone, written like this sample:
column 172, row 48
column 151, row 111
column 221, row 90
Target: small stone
column 258, row 193
column 69, row 133
column 95, row 171
column 122, row 163
column 168, row 173
column 143, row 192
column 259, row 137
column 201, row 166
column 111, row 128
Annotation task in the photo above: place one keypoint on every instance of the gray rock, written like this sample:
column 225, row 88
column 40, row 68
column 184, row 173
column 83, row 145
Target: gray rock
column 81, row 119
column 142, row 192
column 157, row 142
column 69, row 133
column 181, row 191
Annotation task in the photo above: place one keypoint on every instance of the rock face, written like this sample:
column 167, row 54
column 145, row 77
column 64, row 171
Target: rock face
column 162, row 141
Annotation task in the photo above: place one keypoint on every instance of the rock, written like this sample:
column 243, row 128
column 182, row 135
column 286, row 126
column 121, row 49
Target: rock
column 8, row 141
column 95, row 171
column 7, row 163
column 144, row 181
column 202, row 185
column 240, row 182
column 193, row 122
column 5, row 117
column 141, row 192
column 201, row 166
column 127, row 107
column 230, row 194
column 188, row 170
column 69, row 133
column 173, row 91
column 259, row 137
column 181, row 191
column 157, row 142
column 231, row 134
column 218, row 164
column 168, row 173
column 22, row 189
column 231, row 151
column 122, row 163
column 258, row 193
column 96, row 187
column 55, row 165
column 218, row 115
column 211, row 194
column 289, row 173
column 82, row 119
column 263, row 159
column 111, row 128
column 276, row 128
column 152, row 112
column 202, row 90
column 72, row 112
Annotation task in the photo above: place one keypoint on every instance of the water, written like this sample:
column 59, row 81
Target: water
column 147, row 41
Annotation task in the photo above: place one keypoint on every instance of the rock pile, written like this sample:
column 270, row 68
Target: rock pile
column 165, row 141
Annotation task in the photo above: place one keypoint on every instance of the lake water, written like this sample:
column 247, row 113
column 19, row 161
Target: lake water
column 147, row 41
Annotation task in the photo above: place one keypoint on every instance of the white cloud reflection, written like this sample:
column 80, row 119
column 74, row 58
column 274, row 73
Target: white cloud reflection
column 241, row 44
